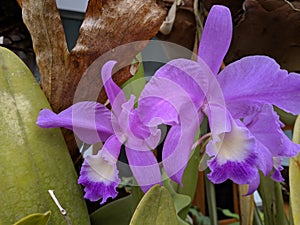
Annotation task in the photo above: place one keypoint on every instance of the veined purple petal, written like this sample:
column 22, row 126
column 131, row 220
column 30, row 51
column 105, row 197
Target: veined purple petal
column 144, row 167
column 258, row 80
column 234, row 155
column 99, row 174
column 266, row 127
column 114, row 93
column 216, row 37
column 90, row 121
column 240, row 172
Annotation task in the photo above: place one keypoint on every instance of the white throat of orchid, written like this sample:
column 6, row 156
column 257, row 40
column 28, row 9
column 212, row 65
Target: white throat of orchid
column 101, row 169
column 234, row 145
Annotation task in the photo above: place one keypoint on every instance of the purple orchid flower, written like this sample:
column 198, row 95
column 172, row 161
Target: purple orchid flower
column 92, row 123
column 246, row 134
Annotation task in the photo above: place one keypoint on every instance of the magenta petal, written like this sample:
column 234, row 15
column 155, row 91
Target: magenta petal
column 115, row 94
column 216, row 37
column 99, row 174
column 144, row 167
column 256, row 80
column 90, row 121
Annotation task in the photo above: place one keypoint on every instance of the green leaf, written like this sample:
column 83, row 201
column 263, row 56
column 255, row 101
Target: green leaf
column 230, row 214
column 286, row 118
column 136, row 84
column 273, row 205
column 199, row 218
column 32, row 160
column 156, row 207
column 190, row 179
column 181, row 201
column 35, row 219
column 117, row 212
column 294, row 177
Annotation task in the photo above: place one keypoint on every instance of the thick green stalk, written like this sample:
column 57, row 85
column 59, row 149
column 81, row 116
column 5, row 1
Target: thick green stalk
column 211, row 201
column 273, row 205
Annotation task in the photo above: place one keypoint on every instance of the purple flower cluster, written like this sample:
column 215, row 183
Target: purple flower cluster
column 246, row 133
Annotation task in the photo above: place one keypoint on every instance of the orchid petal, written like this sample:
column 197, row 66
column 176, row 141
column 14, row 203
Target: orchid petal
column 266, row 127
column 114, row 93
column 276, row 176
column 178, row 144
column 178, row 79
column 233, row 155
column 254, row 184
column 240, row 172
column 265, row 159
column 144, row 167
column 258, row 80
column 176, row 152
column 133, row 133
column 90, row 121
column 216, row 37
column 99, row 174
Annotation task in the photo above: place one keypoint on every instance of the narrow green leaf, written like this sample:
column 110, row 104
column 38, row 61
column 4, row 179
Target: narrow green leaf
column 156, row 207
column 294, row 176
column 189, row 180
column 211, row 200
column 35, row 219
column 228, row 213
column 273, row 205
column 118, row 212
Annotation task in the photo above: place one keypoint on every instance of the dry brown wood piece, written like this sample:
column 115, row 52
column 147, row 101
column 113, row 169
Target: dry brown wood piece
column 106, row 25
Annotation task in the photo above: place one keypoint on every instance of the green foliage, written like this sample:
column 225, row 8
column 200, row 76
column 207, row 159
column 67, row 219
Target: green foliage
column 118, row 212
column 156, row 207
column 33, row 160
column 295, row 177
column 199, row 218
column 181, row 202
column 273, row 205
column 135, row 85
column 35, row 219
column 230, row 214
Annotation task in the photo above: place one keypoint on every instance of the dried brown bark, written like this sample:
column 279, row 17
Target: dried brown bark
column 184, row 29
column 107, row 24
column 264, row 27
